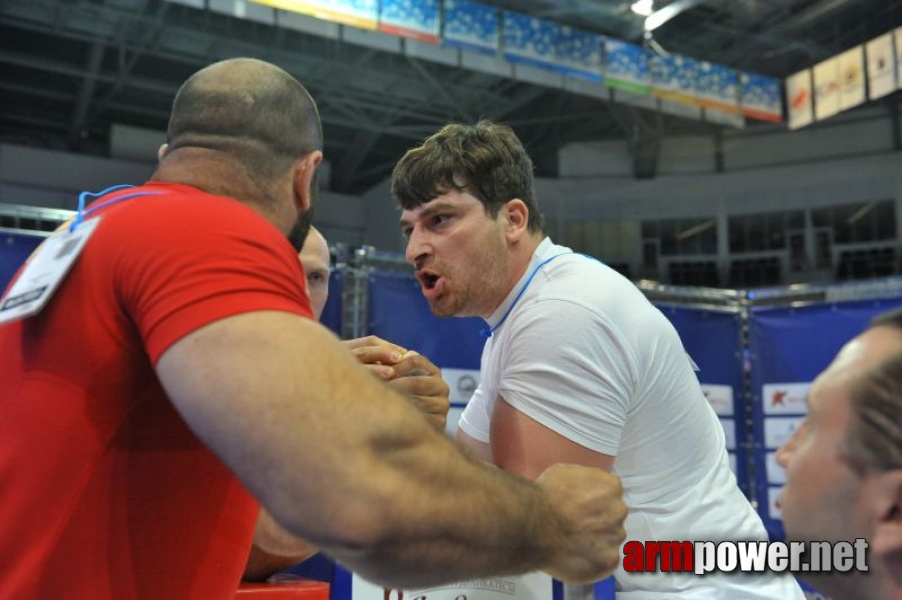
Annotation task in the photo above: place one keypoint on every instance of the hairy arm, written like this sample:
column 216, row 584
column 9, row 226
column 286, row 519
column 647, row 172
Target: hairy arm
column 409, row 373
column 344, row 462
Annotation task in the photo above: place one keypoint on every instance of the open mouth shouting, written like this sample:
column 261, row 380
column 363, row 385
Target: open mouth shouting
column 431, row 283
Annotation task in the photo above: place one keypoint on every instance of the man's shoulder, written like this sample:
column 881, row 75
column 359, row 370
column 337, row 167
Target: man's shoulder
column 163, row 209
column 178, row 199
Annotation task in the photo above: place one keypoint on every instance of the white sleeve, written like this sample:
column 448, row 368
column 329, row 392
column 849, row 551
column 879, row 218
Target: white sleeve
column 475, row 419
column 571, row 370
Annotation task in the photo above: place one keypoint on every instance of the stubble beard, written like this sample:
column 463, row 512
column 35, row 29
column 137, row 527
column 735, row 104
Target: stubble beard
column 480, row 295
column 301, row 228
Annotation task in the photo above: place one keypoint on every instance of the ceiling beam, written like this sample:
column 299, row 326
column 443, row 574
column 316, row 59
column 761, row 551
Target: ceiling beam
column 78, row 123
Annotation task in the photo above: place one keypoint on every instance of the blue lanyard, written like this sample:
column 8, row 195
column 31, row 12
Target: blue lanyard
column 82, row 197
column 487, row 333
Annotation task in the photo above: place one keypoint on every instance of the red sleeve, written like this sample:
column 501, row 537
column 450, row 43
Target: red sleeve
column 186, row 264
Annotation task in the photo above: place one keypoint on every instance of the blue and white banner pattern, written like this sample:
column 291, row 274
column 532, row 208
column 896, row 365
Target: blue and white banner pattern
column 718, row 86
column 626, row 66
column 674, row 76
column 760, row 97
column 418, row 19
column 578, row 53
column 471, row 26
column 529, row 40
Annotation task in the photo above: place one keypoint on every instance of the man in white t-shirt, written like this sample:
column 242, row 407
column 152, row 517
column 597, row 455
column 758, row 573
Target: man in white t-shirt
column 578, row 365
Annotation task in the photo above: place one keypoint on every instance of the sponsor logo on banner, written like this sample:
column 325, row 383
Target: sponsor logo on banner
column 784, row 398
column 779, row 429
column 851, row 72
column 798, row 99
column 826, row 88
column 881, row 66
column 463, row 383
column 774, row 505
column 720, row 397
column 532, row 586
column 897, row 38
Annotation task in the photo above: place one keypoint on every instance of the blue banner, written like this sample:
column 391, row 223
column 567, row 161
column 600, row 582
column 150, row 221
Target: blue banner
column 626, row 66
column 398, row 312
column 674, row 77
column 417, row 19
column 718, row 87
column 14, row 249
column 530, row 41
column 578, row 53
column 471, row 26
column 761, row 97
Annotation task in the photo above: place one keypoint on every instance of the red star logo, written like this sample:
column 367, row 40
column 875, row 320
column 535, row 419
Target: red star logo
column 778, row 398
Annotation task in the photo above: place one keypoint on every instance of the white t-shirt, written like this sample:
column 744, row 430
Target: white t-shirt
column 584, row 353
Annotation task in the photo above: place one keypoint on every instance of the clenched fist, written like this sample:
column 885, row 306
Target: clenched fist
column 591, row 511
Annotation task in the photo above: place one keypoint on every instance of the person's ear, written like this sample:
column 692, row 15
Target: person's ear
column 161, row 152
column 516, row 217
column 886, row 498
column 304, row 170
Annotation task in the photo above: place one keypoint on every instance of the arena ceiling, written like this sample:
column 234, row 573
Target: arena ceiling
column 73, row 68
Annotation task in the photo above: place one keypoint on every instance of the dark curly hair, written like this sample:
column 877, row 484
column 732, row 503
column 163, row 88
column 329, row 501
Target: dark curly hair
column 486, row 160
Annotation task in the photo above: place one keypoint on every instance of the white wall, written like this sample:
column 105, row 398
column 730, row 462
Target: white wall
column 765, row 168
column 850, row 158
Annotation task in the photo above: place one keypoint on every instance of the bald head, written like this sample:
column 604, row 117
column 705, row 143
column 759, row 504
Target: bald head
column 314, row 256
column 248, row 109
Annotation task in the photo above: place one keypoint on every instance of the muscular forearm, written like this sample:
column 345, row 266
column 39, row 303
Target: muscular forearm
column 453, row 518
column 341, row 460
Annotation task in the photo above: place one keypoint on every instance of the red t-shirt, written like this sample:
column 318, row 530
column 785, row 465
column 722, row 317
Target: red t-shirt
column 104, row 491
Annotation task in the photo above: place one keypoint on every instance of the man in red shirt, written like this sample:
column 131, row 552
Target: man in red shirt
column 176, row 377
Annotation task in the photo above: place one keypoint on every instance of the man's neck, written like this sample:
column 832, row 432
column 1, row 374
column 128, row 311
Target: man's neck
column 219, row 174
column 521, row 255
column 519, row 259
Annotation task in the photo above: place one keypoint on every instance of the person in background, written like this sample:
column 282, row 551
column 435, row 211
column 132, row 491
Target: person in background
column 317, row 263
column 578, row 365
column 408, row 372
column 844, row 464
column 176, row 381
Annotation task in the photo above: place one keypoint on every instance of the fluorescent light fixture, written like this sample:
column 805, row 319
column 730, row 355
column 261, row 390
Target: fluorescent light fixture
column 697, row 229
column 643, row 8
column 659, row 17
column 861, row 212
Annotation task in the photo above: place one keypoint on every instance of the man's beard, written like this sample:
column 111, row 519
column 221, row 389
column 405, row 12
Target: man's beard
column 301, row 228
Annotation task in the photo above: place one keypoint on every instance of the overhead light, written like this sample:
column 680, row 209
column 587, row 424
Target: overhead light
column 659, row 17
column 861, row 212
column 643, row 8
column 695, row 230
